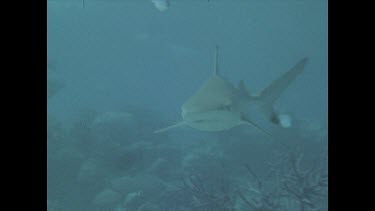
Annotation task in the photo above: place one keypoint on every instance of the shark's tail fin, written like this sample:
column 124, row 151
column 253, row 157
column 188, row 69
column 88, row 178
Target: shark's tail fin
column 272, row 92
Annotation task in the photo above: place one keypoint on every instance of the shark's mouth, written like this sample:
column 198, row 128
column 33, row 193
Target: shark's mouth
column 203, row 121
column 214, row 120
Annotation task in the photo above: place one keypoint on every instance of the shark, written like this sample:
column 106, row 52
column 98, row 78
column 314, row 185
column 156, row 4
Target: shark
column 218, row 105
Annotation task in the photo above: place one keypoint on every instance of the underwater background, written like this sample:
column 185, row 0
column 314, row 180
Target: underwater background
column 120, row 69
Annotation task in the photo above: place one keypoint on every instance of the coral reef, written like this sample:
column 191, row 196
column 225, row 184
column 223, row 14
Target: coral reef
column 100, row 164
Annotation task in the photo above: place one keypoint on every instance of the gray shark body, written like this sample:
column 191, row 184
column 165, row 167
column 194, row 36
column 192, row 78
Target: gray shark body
column 218, row 105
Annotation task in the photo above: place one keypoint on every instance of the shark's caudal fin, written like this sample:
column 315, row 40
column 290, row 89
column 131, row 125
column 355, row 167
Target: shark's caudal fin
column 179, row 124
column 272, row 92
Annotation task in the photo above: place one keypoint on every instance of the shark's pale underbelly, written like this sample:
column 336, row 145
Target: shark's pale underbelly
column 216, row 120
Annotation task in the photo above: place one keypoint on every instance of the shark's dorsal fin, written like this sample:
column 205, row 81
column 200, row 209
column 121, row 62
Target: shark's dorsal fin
column 216, row 64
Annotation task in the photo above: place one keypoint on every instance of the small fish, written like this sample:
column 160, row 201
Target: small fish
column 161, row 5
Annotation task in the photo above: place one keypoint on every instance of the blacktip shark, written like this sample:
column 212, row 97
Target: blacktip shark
column 218, row 105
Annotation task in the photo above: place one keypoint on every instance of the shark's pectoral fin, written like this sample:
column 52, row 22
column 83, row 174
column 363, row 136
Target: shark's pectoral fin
column 179, row 124
column 247, row 121
column 271, row 93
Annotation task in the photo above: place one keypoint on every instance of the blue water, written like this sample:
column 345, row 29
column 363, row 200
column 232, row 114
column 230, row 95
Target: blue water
column 124, row 69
